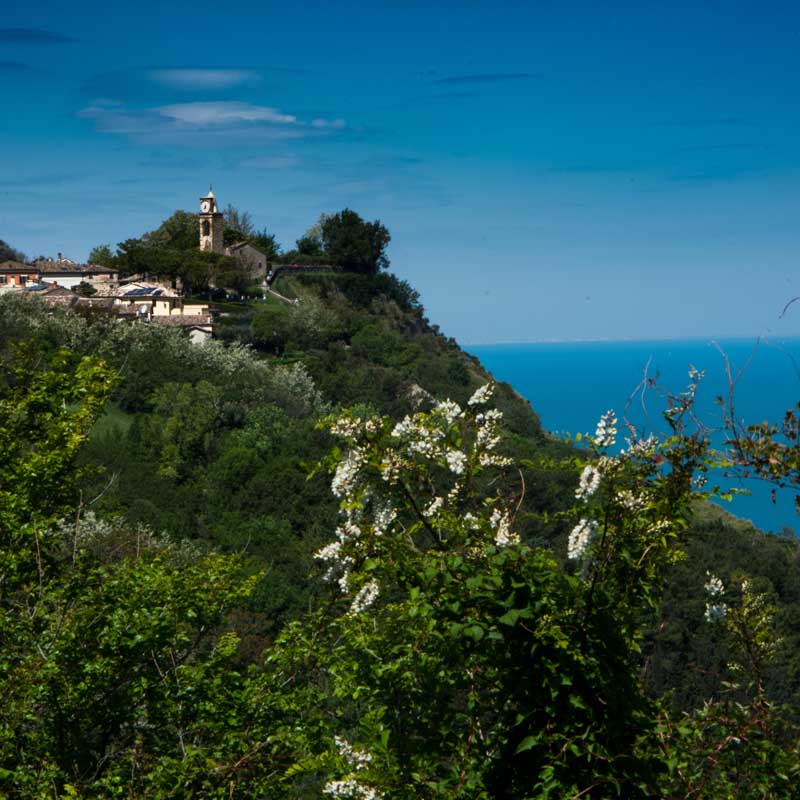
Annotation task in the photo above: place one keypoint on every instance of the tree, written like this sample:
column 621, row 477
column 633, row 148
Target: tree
column 267, row 244
column 85, row 289
column 8, row 253
column 116, row 662
column 177, row 232
column 102, row 255
column 310, row 243
column 354, row 243
column 239, row 221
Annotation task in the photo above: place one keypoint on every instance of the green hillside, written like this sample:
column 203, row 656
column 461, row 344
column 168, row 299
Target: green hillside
column 184, row 643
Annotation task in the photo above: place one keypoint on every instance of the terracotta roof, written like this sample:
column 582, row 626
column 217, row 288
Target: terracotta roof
column 53, row 294
column 240, row 245
column 18, row 266
column 62, row 268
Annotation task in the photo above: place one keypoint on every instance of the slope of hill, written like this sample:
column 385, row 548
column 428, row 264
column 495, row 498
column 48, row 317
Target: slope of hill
column 215, row 447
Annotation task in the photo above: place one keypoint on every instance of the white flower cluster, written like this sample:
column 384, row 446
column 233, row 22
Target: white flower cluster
column 494, row 460
column 418, row 438
column 421, row 439
column 501, row 524
column 641, row 448
column 589, row 482
column 364, row 598
column 633, row 501
column 471, row 520
column 390, row 468
column 696, row 375
column 353, row 429
column 659, row 526
column 433, row 508
column 457, row 461
column 448, row 410
column 384, row 517
column 580, row 538
column 345, row 477
column 606, row 433
column 488, row 437
column 716, row 610
column 482, row 395
column 355, row 758
column 351, row 788
column 338, row 563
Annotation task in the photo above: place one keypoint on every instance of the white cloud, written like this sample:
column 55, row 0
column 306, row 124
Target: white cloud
column 328, row 123
column 223, row 113
column 205, row 124
column 202, row 78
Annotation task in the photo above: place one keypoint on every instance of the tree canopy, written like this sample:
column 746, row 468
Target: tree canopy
column 354, row 243
column 9, row 253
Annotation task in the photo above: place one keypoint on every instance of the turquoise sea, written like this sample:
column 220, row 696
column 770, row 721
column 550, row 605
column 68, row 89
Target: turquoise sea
column 570, row 384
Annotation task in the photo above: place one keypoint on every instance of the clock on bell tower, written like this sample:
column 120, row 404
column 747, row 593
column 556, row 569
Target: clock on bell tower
column 211, row 225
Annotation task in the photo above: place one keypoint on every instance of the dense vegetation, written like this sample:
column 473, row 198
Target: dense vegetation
column 167, row 631
column 170, row 251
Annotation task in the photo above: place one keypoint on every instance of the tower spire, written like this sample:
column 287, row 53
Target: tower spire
column 211, row 224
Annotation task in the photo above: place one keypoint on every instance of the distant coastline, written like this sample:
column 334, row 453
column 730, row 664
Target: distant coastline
column 570, row 383
column 754, row 338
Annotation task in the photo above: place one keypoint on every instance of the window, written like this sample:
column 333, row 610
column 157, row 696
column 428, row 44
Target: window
column 23, row 279
column 206, row 228
column 3, row 280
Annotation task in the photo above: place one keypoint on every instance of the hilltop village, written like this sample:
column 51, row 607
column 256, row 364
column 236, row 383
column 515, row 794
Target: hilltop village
column 148, row 294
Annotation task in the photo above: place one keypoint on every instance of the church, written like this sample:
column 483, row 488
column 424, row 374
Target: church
column 212, row 233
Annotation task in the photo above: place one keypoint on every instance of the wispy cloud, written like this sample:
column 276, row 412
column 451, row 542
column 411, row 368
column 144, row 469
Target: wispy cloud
column 32, row 36
column 327, row 123
column 488, row 77
column 202, row 79
column 223, row 113
column 205, row 123
column 146, row 84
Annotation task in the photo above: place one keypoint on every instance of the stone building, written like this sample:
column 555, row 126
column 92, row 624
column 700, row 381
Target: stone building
column 212, row 236
column 251, row 258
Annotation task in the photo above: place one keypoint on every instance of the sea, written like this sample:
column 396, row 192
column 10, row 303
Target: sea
column 570, row 384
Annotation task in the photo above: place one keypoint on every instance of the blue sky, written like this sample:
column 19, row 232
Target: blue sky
column 547, row 171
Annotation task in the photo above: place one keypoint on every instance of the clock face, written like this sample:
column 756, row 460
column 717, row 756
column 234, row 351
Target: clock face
column 205, row 206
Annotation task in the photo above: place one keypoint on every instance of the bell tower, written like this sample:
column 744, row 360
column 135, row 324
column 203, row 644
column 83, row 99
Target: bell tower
column 211, row 224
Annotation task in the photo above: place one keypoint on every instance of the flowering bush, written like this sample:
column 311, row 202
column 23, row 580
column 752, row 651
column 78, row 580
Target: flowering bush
column 464, row 662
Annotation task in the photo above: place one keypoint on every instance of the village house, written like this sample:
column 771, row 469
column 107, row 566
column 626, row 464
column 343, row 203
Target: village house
column 151, row 302
column 251, row 258
column 71, row 274
column 53, row 294
column 16, row 275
